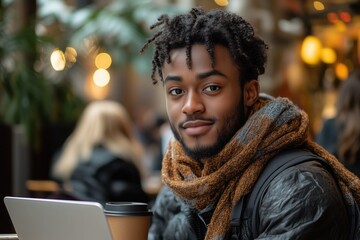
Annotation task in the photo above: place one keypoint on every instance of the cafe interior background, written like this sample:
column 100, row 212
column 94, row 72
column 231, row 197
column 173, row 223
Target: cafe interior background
column 58, row 55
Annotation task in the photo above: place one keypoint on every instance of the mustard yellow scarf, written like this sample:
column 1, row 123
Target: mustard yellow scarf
column 273, row 125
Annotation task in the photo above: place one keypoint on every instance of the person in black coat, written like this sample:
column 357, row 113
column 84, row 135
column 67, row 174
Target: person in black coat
column 101, row 159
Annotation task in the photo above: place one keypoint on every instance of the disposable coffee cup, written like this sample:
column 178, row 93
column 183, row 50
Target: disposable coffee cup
column 128, row 220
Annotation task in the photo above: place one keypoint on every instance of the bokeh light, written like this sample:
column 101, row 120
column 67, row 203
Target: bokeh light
column 103, row 60
column 311, row 50
column 70, row 55
column 328, row 55
column 345, row 17
column 101, row 77
column 222, row 3
column 319, row 6
column 58, row 60
column 341, row 71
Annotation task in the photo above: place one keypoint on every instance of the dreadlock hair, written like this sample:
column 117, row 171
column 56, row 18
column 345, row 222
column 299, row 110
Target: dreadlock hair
column 248, row 51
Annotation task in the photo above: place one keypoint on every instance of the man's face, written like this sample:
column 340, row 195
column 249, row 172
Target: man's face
column 203, row 103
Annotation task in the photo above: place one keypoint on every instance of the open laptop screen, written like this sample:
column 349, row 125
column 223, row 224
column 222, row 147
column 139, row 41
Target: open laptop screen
column 44, row 219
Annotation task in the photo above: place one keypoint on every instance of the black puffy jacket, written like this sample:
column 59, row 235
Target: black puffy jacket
column 303, row 202
column 105, row 178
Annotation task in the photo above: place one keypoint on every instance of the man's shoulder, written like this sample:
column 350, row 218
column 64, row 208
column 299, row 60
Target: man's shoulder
column 301, row 195
column 310, row 181
column 312, row 170
column 301, row 168
column 295, row 158
column 307, row 180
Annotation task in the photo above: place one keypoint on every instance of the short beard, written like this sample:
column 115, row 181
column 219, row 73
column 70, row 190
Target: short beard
column 234, row 122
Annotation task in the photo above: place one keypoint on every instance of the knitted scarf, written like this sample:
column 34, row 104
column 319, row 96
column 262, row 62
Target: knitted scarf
column 273, row 125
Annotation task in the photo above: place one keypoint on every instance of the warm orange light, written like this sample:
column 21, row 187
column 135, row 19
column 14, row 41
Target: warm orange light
column 340, row 26
column 222, row 3
column 95, row 92
column 319, row 6
column 328, row 55
column 311, row 50
column 103, row 60
column 332, row 17
column 341, row 71
column 345, row 17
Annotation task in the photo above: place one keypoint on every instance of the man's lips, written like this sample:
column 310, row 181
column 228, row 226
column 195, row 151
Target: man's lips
column 197, row 127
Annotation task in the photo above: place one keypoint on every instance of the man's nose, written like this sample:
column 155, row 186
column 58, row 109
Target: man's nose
column 193, row 104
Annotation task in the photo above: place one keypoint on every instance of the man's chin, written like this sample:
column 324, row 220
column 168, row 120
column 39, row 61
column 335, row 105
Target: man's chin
column 199, row 152
column 202, row 152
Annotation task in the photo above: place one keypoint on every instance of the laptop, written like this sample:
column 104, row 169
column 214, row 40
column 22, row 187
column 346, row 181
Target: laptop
column 45, row 219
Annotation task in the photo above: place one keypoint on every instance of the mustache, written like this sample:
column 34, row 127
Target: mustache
column 195, row 118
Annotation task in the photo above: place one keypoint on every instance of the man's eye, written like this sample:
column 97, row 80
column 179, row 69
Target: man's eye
column 212, row 88
column 175, row 91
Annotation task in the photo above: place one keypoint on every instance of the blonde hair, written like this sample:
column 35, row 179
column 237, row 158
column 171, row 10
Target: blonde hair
column 104, row 123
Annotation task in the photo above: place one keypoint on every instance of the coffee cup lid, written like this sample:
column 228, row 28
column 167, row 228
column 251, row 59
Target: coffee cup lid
column 127, row 209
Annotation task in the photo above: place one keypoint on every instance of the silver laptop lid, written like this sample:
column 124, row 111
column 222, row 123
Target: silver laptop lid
column 45, row 219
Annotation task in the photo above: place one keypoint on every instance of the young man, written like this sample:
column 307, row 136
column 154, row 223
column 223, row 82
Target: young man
column 226, row 132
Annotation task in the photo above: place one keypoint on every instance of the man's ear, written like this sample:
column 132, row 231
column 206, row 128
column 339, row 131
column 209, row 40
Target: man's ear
column 251, row 92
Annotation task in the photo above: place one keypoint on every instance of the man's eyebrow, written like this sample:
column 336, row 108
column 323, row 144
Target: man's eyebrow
column 210, row 73
column 172, row 78
column 199, row 76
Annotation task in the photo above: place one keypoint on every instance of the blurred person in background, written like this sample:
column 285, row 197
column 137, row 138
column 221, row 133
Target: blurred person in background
column 101, row 159
column 148, row 130
column 341, row 135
